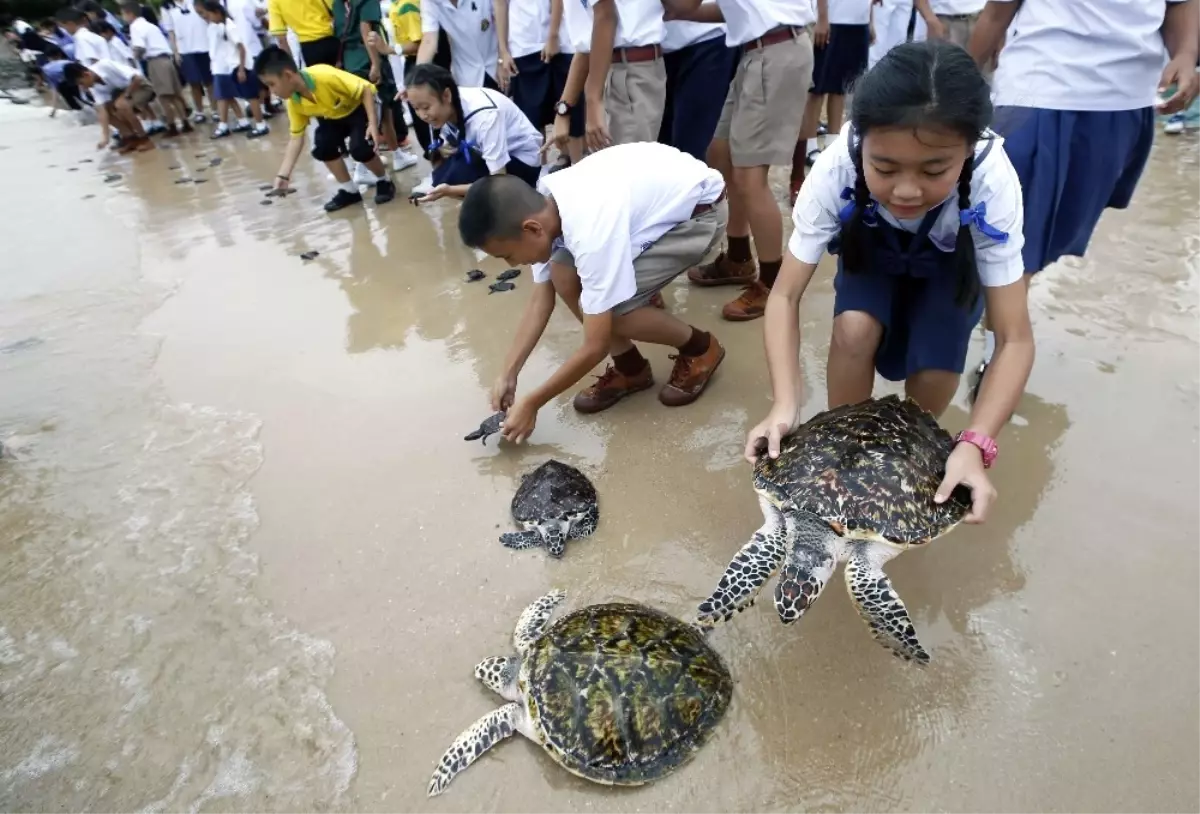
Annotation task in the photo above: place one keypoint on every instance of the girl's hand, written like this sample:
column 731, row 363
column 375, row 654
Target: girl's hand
column 506, row 70
column 965, row 467
column 432, row 195
column 504, row 393
column 820, row 36
column 241, row 74
column 1182, row 75
column 782, row 420
column 550, row 49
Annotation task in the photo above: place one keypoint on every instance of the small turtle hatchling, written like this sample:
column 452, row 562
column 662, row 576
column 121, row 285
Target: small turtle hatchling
column 475, row 275
column 510, row 274
column 502, row 285
column 490, row 426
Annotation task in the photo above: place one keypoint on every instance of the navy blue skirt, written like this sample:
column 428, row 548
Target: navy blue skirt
column 842, row 60
column 1072, row 166
column 226, row 86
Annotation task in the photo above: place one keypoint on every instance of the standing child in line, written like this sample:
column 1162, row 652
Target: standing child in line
column 150, row 45
column 923, row 208
column 228, row 56
column 699, row 69
column 345, row 108
column 607, row 234
column 188, row 32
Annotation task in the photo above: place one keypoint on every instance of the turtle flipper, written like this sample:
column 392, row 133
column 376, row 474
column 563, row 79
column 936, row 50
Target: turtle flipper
column 522, row 539
column 750, row 568
column 584, row 524
column 532, row 621
column 808, row 567
column 481, row 736
column 878, row 604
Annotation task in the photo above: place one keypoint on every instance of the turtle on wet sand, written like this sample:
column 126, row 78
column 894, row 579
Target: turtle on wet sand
column 489, row 426
column 854, row 484
column 502, row 285
column 618, row 694
column 510, row 274
column 475, row 275
column 554, row 503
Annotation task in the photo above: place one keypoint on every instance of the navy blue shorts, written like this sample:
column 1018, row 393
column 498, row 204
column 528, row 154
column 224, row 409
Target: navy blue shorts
column 842, row 60
column 226, row 86
column 195, row 69
column 1072, row 166
column 698, row 78
column 538, row 85
column 923, row 328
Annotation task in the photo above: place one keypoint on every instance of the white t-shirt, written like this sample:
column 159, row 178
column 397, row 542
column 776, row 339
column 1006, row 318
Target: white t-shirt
column 577, row 20
column 529, row 28
column 954, row 7
column 499, row 129
column 1101, row 55
column 149, row 37
column 472, row 32
column 223, row 40
column 242, row 13
column 680, row 34
column 993, row 182
column 639, row 22
column 747, row 20
column 190, row 29
column 89, row 46
column 849, row 12
column 616, row 203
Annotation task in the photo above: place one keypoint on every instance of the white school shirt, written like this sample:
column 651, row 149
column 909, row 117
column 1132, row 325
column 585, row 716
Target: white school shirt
column 119, row 52
column 615, row 204
column 953, row 8
column 472, row 32
column 577, row 20
column 149, row 37
column 1098, row 55
column 89, row 46
column 190, row 29
column 223, row 40
column 680, row 34
column 242, row 13
column 529, row 28
column 116, row 77
column 639, row 22
column 747, row 20
column 498, row 128
column 994, row 182
column 849, row 12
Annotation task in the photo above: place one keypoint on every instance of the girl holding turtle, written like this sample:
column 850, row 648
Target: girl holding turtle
column 481, row 132
column 924, row 210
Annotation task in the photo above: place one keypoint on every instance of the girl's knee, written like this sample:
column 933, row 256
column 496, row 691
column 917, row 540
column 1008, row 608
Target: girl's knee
column 856, row 333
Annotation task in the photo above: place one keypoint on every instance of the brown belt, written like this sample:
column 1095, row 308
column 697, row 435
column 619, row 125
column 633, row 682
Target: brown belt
column 637, row 53
column 708, row 207
column 783, row 32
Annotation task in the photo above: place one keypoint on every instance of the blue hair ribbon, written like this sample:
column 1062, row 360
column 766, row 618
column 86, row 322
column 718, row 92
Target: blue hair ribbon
column 847, row 211
column 975, row 216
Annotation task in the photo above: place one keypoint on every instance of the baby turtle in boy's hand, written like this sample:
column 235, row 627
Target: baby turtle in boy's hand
column 309, row 255
column 500, row 286
column 490, row 426
column 508, row 275
column 115, row 176
column 215, row 162
column 475, row 275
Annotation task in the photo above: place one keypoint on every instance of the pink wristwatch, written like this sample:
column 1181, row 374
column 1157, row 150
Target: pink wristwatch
column 986, row 445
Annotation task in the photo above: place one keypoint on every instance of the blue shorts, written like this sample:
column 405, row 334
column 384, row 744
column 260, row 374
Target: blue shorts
column 698, row 78
column 1072, row 166
column 842, row 60
column 226, row 86
column 195, row 69
column 923, row 328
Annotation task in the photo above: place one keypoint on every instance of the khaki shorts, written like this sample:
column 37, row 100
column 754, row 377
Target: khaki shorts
column 765, row 104
column 958, row 31
column 682, row 247
column 163, row 76
column 139, row 98
column 634, row 100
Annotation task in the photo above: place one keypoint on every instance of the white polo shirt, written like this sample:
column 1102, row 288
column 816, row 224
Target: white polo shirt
column 747, row 20
column 849, row 12
column 471, row 28
column 223, row 40
column 498, row 128
column 577, row 20
column 680, row 34
column 529, row 28
column 993, row 182
column 89, row 46
column 952, row 8
column 190, row 29
column 615, row 204
column 639, row 22
column 149, row 37
column 1099, row 55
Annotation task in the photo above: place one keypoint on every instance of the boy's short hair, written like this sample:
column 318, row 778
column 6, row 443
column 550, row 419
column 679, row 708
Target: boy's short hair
column 71, row 15
column 103, row 27
column 495, row 207
column 73, row 72
column 273, row 61
column 132, row 7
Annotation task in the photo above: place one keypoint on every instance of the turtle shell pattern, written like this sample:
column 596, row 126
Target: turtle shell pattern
column 624, row 694
column 870, row 470
column 552, row 491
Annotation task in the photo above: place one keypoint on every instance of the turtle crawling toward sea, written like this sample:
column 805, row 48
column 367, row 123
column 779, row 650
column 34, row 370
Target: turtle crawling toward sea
column 489, row 426
column 554, row 503
column 618, row 694
column 854, row 484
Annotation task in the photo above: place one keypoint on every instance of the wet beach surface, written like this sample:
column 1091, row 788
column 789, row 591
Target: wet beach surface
column 249, row 564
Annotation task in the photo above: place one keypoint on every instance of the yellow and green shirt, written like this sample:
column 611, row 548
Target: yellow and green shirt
column 312, row 20
column 406, row 21
column 336, row 94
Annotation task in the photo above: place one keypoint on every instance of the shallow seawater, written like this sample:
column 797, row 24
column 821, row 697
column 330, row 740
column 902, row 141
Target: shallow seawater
column 249, row 564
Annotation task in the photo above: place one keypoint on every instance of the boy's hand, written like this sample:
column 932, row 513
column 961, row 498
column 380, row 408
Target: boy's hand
column 504, row 393
column 506, row 70
column 103, row 142
column 597, row 130
column 373, row 135
column 558, row 139
column 1182, row 74
column 372, row 41
column 520, row 421
column 281, row 183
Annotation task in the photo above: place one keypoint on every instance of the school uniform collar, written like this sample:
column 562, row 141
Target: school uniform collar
column 309, row 82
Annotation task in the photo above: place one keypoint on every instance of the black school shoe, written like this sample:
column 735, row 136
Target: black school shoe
column 385, row 190
column 342, row 199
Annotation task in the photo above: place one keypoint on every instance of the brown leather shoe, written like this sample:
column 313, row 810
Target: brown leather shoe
column 752, row 304
column 723, row 271
column 145, row 145
column 691, row 375
column 610, row 387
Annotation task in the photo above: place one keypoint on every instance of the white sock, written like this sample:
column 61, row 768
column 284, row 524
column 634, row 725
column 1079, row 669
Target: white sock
column 350, row 187
column 379, row 178
column 155, row 123
column 243, row 122
column 989, row 345
column 813, row 145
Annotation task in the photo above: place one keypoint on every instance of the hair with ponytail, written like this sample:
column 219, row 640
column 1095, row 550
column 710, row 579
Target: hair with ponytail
column 929, row 84
column 217, row 7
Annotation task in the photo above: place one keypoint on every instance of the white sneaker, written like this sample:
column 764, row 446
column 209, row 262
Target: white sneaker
column 363, row 176
column 402, row 160
column 425, row 187
column 1174, row 125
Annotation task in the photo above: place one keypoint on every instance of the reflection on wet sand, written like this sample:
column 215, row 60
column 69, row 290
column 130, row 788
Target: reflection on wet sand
column 1062, row 632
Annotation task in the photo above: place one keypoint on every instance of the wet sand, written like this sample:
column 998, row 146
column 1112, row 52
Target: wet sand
column 331, row 632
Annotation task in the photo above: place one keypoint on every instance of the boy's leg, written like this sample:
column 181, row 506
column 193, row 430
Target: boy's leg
column 364, row 153
column 634, row 99
column 329, row 145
